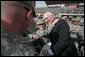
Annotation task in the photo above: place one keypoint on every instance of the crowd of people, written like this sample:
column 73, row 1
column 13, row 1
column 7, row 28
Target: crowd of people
column 24, row 34
column 79, row 10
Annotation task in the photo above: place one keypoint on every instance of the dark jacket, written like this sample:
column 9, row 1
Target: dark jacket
column 61, row 42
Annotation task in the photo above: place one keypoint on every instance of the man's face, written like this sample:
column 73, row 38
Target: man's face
column 41, row 27
column 75, row 22
column 16, row 15
column 48, row 18
column 25, row 18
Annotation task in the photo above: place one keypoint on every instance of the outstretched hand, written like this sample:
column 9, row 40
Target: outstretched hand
column 35, row 37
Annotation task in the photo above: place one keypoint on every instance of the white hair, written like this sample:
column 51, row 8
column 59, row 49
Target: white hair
column 50, row 13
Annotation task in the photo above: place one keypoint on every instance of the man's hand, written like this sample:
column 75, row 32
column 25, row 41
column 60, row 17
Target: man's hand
column 55, row 21
column 77, row 30
column 45, row 53
column 35, row 37
column 71, row 30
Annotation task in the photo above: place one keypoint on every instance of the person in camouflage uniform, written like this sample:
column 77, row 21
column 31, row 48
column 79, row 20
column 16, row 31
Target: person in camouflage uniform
column 65, row 18
column 40, row 36
column 75, row 27
column 43, row 30
column 76, row 32
column 13, row 24
column 70, row 20
column 81, row 36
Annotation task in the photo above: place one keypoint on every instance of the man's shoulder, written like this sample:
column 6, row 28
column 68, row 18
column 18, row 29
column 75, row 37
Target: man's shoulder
column 62, row 22
column 6, row 38
column 10, row 37
column 80, row 27
column 6, row 33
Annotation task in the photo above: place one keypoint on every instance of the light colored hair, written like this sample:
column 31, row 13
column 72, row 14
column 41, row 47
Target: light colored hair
column 50, row 13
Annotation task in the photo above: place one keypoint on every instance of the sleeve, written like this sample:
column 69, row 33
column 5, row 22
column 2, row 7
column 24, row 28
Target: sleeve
column 40, row 33
column 49, row 29
column 80, row 34
column 35, row 33
column 30, row 35
column 63, row 33
column 50, row 52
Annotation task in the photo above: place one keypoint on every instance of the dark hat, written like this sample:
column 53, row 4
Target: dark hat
column 29, row 5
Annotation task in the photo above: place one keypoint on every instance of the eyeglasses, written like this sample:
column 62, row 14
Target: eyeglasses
column 33, row 12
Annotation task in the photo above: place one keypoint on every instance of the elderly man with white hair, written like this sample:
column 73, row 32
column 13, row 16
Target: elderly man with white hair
column 61, row 44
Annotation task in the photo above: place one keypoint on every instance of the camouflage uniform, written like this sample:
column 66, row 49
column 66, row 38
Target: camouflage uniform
column 73, row 27
column 13, row 45
column 44, row 32
column 64, row 17
column 77, row 36
column 81, row 34
column 70, row 18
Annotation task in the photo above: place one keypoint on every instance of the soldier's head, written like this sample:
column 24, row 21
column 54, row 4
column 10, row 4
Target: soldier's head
column 65, row 17
column 75, row 21
column 16, row 15
column 70, row 18
column 48, row 17
column 40, row 24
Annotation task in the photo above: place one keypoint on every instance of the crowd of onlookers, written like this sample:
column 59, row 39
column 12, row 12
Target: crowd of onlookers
column 79, row 10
